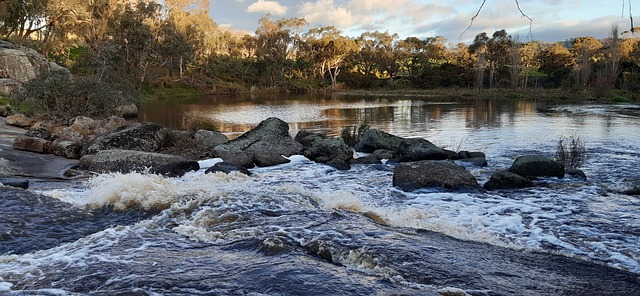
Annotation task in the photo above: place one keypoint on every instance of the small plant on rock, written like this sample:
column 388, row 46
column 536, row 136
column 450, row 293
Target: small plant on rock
column 353, row 134
column 570, row 152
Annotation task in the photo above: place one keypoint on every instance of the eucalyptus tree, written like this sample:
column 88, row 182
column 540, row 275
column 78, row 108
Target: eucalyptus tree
column 586, row 51
column 557, row 62
column 275, row 43
column 326, row 49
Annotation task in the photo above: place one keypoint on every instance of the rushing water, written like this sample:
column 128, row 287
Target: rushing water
column 305, row 228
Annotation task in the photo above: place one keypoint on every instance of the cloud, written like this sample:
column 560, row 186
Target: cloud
column 272, row 7
column 325, row 12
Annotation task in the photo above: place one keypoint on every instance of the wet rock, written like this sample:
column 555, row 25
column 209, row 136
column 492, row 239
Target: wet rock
column 537, row 166
column 450, row 291
column 67, row 149
column 476, row 161
column 270, row 136
column 19, row 120
column 332, row 151
column 175, row 169
column 39, row 131
column 269, row 159
column 307, row 138
column 411, row 149
column 384, row 154
column 210, row 139
column 225, row 167
column 14, row 182
column 31, row 144
column 147, row 137
column 125, row 161
column 577, row 174
column 634, row 190
column 507, row 180
column 128, row 111
column 433, row 173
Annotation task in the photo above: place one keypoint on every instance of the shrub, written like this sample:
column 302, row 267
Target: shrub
column 353, row 134
column 570, row 152
column 61, row 96
column 620, row 99
column 193, row 122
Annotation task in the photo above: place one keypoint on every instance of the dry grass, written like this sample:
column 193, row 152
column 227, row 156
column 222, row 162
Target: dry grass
column 353, row 134
column 570, row 152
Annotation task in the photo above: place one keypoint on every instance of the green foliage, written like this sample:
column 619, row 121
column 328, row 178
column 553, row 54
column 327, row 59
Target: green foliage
column 167, row 92
column 620, row 99
column 570, row 152
column 353, row 134
column 61, row 96
column 512, row 95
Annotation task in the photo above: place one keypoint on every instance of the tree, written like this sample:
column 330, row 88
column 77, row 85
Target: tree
column 557, row 62
column 327, row 49
column 586, row 53
column 274, row 44
column 23, row 18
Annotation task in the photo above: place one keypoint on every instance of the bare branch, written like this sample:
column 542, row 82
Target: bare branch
column 472, row 19
column 630, row 16
column 530, row 20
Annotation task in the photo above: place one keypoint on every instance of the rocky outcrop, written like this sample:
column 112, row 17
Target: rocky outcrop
column 175, row 169
column 433, row 173
column 503, row 179
column 406, row 149
column 210, row 139
column 532, row 166
column 125, row 161
column 225, row 167
column 147, row 137
column 264, row 145
column 332, row 151
column 18, row 65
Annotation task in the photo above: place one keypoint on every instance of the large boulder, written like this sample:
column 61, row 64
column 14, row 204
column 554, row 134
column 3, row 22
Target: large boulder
column 433, row 173
column 407, row 149
column 307, row 138
column 267, row 143
column 125, row 161
column 532, row 166
column 19, row 65
column 332, row 151
column 209, row 138
column 507, row 180
column 67, row 149
column 148, row 137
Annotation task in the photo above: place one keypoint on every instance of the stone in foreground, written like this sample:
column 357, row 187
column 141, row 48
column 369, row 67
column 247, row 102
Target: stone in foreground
column 126, row 161
column 507, row 180
column 532, row 166
column 433, row 173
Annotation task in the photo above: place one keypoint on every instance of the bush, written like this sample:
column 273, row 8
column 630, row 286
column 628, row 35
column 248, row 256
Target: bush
column 570, row 152
column 61, row 96
column 353, row 134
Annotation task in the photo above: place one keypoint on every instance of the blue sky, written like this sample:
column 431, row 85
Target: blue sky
column 553, row 20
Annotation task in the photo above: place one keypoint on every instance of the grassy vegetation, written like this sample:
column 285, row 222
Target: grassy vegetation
column 168, row 92
column 351, row 135
column 570, row 152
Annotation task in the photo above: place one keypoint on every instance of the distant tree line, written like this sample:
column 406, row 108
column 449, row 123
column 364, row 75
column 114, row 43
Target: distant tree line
column 149, row 45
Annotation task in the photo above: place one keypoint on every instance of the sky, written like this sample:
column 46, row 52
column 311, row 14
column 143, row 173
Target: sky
column 553, row 20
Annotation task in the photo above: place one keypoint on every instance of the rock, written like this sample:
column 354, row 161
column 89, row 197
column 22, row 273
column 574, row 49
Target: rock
column 84, row 126
column 175, row 169
column 19, row 120
column 9, row 85
column 412, row 149
column 420, row 149
column 68, row 134
column 39, row 131
column 432, row 173
column 577, row 174
column 537, row 166
column 507, row 180
column 270, row 136
column 148, row 137
column 225, row 167
column 384, row 154
column 31, row 144
column 67, row 149
column 374, row 139
column 14, row 182
column 307, row 138
column 18, row 65
column 126, row 161
column 210, row 139
column 632, row 191
column 128, row 111
column 269, row 159
column 477, row 161
column 335, row 150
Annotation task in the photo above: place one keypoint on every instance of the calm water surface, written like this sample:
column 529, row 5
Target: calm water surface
column 306, row 229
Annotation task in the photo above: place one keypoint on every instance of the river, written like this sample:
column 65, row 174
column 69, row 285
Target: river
column 307, row 229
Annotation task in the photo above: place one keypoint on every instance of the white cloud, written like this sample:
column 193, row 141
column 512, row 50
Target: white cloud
column 368, row 6
column 325, row 12
column 272, row 7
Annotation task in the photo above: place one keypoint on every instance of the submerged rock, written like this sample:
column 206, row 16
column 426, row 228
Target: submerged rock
column 15, row 182
column 433, row 173
column 507, row 180
column 225, row 167
column 537, row 166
